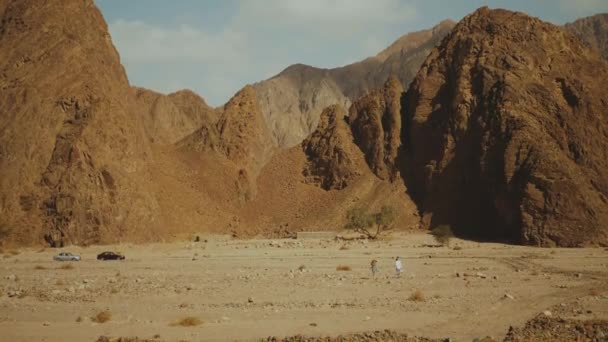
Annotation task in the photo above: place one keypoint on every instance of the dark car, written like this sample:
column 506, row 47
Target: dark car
column 110, row 256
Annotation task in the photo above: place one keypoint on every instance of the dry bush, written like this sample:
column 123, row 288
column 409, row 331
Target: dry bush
column 443, row 234
column 67, row 267
column 188, row 322
column 417, row 296
column 39, row 267
column 343, row 268
column 102, row 316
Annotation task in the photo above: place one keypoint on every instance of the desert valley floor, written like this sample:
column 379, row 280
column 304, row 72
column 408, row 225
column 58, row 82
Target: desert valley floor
column 252, row 289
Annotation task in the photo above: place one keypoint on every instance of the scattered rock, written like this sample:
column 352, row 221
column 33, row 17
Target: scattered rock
column 11, row 277
column 547, row 313
column 508, row 296
column 250, row 300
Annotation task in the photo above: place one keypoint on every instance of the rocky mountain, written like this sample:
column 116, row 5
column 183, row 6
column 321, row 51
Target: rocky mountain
column 506, row 133
column 72, row 153
column 293, row 100
column 593, row 31
column 375, row 120
column 169, row 118
column 334, row 160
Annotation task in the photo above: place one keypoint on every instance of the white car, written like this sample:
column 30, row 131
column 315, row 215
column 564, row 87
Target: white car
column 66, row 256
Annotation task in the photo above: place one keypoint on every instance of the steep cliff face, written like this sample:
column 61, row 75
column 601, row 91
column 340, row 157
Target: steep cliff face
column 375, row 120
column 593, row 31
column 293, row 100
column 506, row 133
column 333, row 159
column 72, row 155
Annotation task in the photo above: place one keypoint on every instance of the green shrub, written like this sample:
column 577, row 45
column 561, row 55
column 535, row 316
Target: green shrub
column 371, row 225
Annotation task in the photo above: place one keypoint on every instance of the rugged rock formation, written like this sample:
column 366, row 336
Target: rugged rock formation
column 168, row 119
column 333, row 159
column 244, row 137
column 593, row 31
column 375, row 120
column 293, row 100
column 506, row 133
column 72, row 153
column 194, row 106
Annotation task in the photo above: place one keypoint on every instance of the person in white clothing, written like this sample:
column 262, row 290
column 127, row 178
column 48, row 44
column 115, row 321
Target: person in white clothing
column 398, row 266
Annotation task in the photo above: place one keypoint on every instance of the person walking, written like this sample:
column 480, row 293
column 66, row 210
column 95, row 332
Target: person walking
column 398, row 266
column 374, row 267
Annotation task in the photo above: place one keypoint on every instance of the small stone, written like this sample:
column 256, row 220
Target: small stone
column 71, row 289
column 249, row 300
column 481, row 275
column 224, row 318
column 547, row 313
column 46, row 324
column 11, row 277
column 579, row 275
column 367, row 318
column 313, row 324
column 112, row 280
column 12, row 293
column 86, row 281
column 139, row 280
column 508, row 296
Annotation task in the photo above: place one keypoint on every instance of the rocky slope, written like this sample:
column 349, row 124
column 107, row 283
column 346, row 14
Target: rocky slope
column 169, row 118
column 593, row 31
column 506, row 133
column 72, row 154
column 293, row 100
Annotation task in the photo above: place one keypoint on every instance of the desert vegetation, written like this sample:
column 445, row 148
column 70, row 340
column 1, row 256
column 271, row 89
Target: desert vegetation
column 371, row 225
column 442, row 234
column 102, row 316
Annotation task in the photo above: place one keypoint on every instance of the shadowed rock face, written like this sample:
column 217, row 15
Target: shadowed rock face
column 375, row 120
column 593, row 31
column 72, row 154
column 506, row 133
column 333, row 159
column 293, row 100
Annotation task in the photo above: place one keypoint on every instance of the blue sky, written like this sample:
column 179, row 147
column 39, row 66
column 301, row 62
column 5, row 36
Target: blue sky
column 215, row 47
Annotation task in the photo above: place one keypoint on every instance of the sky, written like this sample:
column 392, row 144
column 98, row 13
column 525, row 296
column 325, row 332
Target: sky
column 215, row 47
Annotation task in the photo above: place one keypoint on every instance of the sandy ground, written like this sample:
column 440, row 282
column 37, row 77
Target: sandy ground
column 252, row 289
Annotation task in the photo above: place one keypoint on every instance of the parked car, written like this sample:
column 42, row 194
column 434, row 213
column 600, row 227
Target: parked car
column 110, row 256
column 66, row 256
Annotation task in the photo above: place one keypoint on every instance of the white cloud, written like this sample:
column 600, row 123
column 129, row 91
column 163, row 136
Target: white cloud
column 142, row 42
column 260, row 39
column 583, row 7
